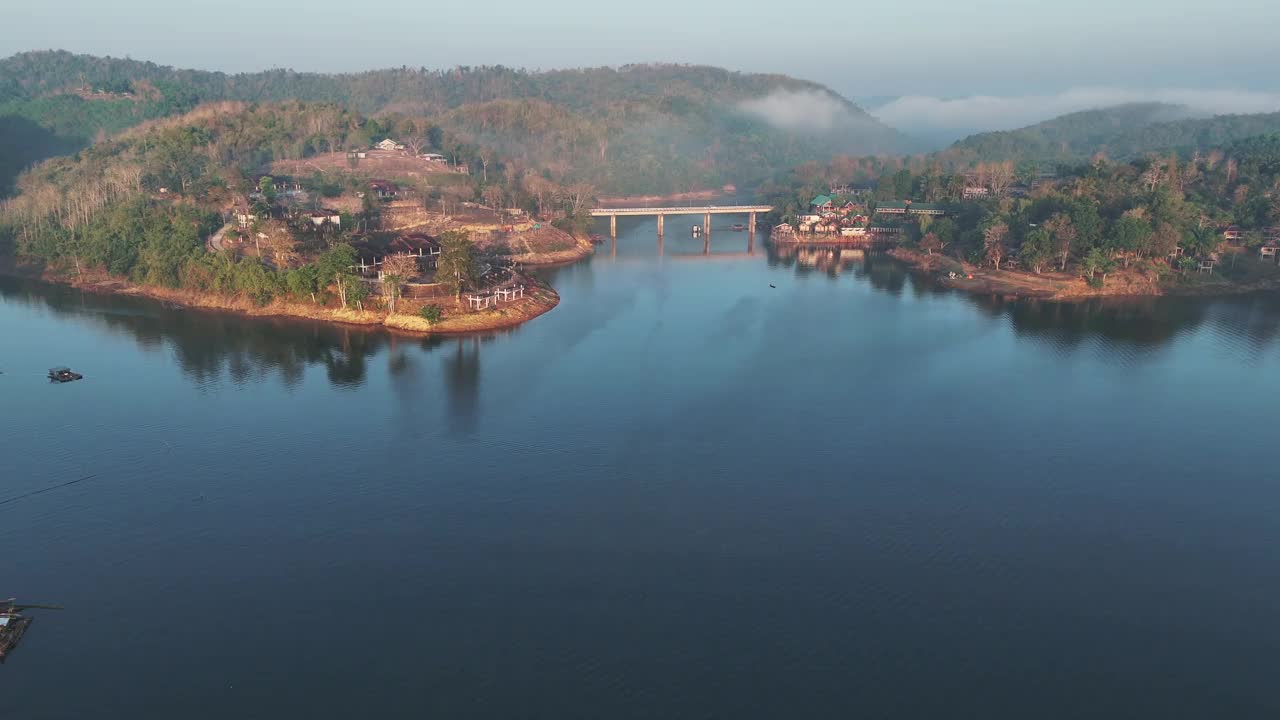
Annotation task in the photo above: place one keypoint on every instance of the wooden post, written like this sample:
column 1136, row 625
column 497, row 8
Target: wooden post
column 659, row 223
column 613, row 226
column 751, row 224
column 706, row 224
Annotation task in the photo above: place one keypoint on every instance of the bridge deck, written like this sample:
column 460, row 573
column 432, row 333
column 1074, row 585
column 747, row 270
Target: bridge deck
column 705, row 210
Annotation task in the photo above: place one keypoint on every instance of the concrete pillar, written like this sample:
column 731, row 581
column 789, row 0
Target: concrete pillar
column 706, row 224
column 613, row 226
column 659, row 224
column 751, row 224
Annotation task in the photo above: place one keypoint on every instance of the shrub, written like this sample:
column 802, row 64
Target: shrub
column 431, row 313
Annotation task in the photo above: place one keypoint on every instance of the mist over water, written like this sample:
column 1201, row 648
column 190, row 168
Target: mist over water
column 682, row 493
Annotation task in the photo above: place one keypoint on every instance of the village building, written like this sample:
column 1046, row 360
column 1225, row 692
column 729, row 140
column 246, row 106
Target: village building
column 975, row 193
column 905, row 208
column 386, row 190
column 388, row 144
column 434, row 157
column 822, row 203
column 323, row 216
column 244, row 217
column 1232, row 232
column 280, row 184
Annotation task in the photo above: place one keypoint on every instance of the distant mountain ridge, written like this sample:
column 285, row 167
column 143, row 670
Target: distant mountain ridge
column 1121, row 132
column 638, row 128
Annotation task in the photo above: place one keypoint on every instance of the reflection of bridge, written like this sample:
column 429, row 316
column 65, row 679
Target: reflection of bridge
column 706, row 211
column 706, row 253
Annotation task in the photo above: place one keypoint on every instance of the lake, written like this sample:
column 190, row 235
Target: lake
column 683, row 493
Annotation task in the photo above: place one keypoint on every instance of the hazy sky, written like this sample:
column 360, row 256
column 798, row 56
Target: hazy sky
column 923, row 47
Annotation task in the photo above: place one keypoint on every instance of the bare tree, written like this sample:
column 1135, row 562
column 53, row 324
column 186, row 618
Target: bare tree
column 993, row 242
column 396, row 271
column 416, row 143
column 493, row 198
column 576, row 197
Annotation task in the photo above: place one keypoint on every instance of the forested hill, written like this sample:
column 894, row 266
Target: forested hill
column 1121, row 133
column 635, row 129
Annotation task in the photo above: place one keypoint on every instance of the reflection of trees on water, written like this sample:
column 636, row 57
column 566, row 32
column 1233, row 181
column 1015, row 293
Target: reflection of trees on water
column 1147, row 322
column 1144, row 322
column 206, row 344
column 462, row 383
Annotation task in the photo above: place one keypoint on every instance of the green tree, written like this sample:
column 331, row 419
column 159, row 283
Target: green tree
column 335, row 267
column 304, row 281
column 1036, row 249
column 1130, row 236
column 1064, row 234
column 456, row 266
column 1096, row 261
column 267, row 188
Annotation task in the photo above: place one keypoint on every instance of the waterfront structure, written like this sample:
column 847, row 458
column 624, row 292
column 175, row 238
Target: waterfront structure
column 706, row 211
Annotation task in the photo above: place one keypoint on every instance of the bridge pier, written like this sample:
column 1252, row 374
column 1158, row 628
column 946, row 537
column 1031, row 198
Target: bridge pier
column 706, row 224
column 660, row 217
column 751, row 223
column 613, row 226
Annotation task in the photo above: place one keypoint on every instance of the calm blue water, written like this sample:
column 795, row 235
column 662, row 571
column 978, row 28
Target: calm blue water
column 681, row 494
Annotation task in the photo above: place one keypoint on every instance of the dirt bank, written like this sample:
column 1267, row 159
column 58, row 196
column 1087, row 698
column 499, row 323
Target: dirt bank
column 581, row 249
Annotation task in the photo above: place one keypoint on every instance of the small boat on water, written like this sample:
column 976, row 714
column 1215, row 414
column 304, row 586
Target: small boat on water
column 13, row 624
column 596, row 238
column 63, row 374
column 739, row 227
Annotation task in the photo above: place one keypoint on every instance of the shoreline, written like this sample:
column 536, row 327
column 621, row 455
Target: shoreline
column 583, row 250
column 1060, row 286
column 540, row 299
column 670, row 197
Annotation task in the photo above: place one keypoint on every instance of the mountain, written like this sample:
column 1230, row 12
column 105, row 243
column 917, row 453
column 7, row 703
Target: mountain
column 634, row 129
column 1121, row 133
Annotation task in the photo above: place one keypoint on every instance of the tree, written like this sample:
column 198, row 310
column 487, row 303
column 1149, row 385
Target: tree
column 396, row 271
column 335, row 268
column 1096, row 261
column 1164, row 241
column 993, row 243
column 456, row 264
column 283, row 249
column 1036, row 249
column 435, row 136
column 267, row 189
column 1130, row 235
column 303, row 281
column 493, row 195
column 576, row 197
column 930, row 243
column 416, row 143
column 1063, row 233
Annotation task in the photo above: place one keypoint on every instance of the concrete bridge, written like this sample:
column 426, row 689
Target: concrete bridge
column 706, row 211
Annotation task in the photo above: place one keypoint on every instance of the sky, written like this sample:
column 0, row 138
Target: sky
column 937, row 50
